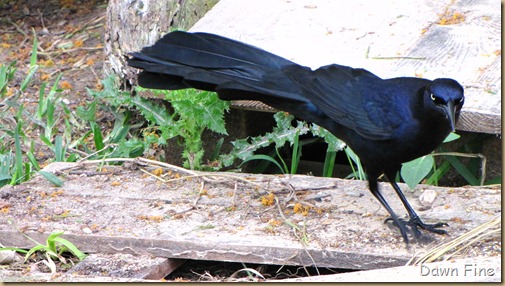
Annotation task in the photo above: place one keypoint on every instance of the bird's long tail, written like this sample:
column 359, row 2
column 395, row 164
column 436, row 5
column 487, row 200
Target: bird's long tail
column 209, row 62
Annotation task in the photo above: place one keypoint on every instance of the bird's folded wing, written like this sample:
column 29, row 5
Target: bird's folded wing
column 349, row 97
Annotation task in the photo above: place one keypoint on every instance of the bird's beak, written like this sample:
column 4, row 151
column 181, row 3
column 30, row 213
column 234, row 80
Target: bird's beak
column 451, row 113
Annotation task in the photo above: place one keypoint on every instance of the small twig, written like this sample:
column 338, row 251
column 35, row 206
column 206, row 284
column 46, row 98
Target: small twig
column 141, row 161
column 208, row 177
column 292, row 192
column 318, row 197
column 234, row 197
column 295, row 228
column 97, row 78
column 332, row 186
column 41, row 15
column 91, row 173
column 357, row 38
column 77, row 151
column 468, row 238
column 7, row 31
column 399, row 58
column 94, row 153
column 199, row 195
column 81, row 28
column 93, row 27
column 107, row 223
column 70, row 51
column 17, row 27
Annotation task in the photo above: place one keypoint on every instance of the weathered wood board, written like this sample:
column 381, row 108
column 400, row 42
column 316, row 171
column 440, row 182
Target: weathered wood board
column 481, row 269
column 390, row 38
column 127, row 211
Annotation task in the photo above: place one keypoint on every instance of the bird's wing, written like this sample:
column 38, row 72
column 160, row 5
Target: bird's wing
column 355, row 98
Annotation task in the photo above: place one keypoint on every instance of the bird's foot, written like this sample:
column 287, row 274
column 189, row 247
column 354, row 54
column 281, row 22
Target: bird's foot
column 414, row 223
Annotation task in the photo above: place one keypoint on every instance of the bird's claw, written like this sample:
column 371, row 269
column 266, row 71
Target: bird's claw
column 415, row 223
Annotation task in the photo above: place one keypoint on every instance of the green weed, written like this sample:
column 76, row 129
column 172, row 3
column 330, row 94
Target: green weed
column 192, row 112
column 53, row 250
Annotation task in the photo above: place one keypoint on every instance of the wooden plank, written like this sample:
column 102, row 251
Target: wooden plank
column 402, row 41
column 127, row 211
column 10, row 276
column 324, row 32
column 270, row 251
column 478, row 269
column 125, row 266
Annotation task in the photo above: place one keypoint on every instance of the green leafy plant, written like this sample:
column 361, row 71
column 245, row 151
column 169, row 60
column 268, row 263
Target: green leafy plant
column 358, row 171
column 286, row 132
column 283, row 133
column 334, row 145
column 415, row 171
column 19, row 165
column 6, row 75
column 5, row 168
column 53, row 250
column 192, row 112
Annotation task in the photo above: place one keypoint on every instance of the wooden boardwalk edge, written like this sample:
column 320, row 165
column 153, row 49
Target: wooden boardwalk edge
column 405, row 41
column 479, row 269
column 226, row 252
column 127, row 211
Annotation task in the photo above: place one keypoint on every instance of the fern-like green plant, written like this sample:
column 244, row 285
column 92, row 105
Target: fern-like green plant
column 192, row 112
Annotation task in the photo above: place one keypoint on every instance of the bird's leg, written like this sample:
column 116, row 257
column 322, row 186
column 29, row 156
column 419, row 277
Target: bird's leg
column 372, row 183
column 414, row 221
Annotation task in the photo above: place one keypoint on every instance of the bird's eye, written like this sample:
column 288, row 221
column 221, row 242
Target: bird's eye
column 436, row 99
column 458, row 101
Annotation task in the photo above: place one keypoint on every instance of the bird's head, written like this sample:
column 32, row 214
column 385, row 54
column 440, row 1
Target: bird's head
column 445, row 97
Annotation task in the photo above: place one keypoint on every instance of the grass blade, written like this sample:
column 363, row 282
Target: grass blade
column 266, row 158
column 58, row 149
column 284, row 165
column 20, row 250
column 352, row 156
column 329, row 163
column 52, row 178
column 217, row 150
column 469, row 177
column 296, row 153
column 33, row 250
column 33, row 160
column 70, row 247
column 18, row 159
column 33, row 58
column 97, row 136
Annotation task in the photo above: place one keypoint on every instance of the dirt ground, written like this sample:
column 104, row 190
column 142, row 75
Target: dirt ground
column 70, row 36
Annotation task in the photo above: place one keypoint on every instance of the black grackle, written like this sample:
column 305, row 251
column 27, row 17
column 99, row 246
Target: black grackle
column 386, row 122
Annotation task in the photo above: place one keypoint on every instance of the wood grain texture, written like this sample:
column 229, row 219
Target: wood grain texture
column 389, row 38
column 130, row 212
column 419, row 274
